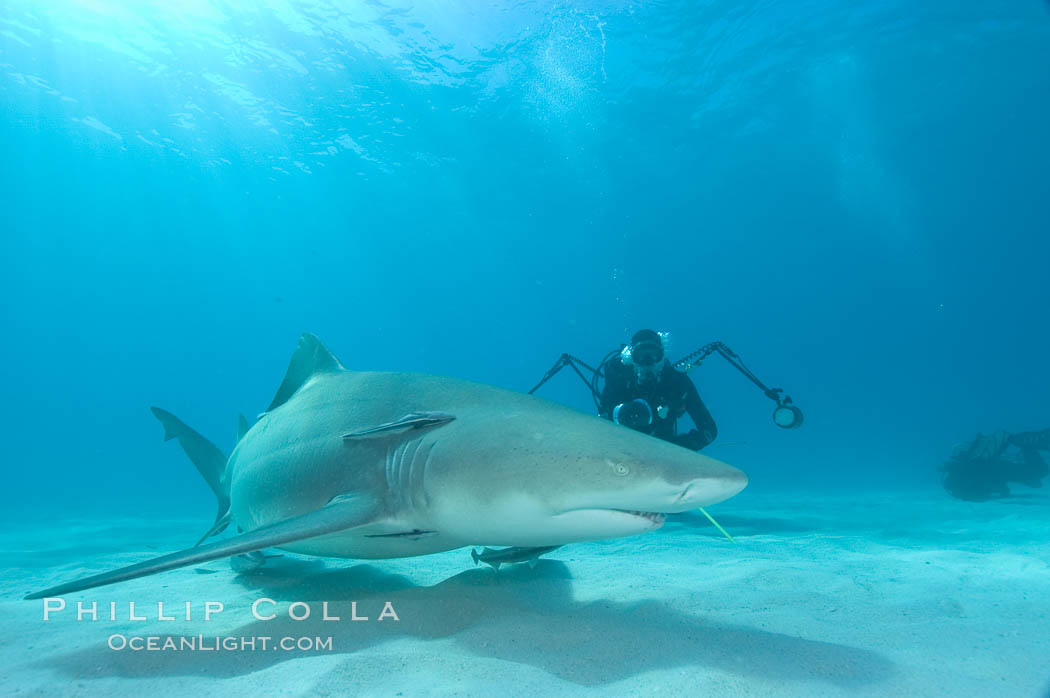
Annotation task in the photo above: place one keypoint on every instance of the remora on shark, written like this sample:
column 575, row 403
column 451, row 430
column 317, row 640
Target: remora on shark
column 358, row 464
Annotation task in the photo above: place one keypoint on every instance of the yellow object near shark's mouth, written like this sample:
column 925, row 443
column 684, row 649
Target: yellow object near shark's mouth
column 717, row 525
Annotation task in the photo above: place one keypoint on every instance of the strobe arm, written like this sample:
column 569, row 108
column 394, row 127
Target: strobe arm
column 576, row 364
column 786, row 415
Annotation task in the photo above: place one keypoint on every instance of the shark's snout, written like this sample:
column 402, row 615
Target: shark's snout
column 662, row 496
column 708, row 490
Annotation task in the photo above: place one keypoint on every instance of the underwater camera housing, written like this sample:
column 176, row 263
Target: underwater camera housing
column 636, row 414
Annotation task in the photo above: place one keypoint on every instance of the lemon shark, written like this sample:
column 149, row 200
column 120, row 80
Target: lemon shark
column 356, row 464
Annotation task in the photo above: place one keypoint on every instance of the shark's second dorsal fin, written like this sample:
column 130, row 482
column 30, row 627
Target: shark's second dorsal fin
column 309, row 358
column 242, row 427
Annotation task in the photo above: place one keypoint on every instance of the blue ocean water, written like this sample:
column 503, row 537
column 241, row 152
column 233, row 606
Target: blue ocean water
column 851, row 195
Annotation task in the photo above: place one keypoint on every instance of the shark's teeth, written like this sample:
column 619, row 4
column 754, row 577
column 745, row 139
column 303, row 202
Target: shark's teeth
column 651, row 516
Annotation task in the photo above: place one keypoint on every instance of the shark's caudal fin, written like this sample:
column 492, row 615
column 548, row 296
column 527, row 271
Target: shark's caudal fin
column 309, row 358
column 206, row 456
column 343, row 512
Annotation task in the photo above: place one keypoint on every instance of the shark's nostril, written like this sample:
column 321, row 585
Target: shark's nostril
column 685, row 492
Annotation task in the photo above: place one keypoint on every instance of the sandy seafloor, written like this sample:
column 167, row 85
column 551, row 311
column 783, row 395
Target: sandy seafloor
column 910, row 594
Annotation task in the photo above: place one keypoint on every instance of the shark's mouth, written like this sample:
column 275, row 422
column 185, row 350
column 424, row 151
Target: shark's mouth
column 607, row 522
column 652, row 516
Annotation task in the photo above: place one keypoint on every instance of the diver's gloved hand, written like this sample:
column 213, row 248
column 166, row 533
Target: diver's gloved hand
column 694, row 440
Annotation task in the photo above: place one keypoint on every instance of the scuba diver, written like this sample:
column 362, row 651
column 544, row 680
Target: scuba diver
column 982, row 470
column 645, row 392
column 638, row 387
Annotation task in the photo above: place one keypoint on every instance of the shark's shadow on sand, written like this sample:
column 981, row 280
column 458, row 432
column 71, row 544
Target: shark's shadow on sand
column 522, row 615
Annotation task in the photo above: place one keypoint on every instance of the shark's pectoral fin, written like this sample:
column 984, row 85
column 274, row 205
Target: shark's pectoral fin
column 343, row 512
column 410, row 422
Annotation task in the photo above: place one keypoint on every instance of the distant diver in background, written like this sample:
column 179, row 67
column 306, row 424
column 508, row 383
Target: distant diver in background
column 982, row 470
column 645, row 392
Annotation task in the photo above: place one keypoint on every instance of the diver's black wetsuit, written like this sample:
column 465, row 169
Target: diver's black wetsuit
column 674, row 390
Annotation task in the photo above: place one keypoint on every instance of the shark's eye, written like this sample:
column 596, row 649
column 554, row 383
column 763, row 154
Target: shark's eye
column 622, row 469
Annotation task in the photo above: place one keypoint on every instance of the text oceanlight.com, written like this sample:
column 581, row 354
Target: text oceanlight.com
column 229, row 643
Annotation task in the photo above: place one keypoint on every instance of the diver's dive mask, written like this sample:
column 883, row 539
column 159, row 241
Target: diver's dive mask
column 647, row 348
column 647, row 354
column 636, row 414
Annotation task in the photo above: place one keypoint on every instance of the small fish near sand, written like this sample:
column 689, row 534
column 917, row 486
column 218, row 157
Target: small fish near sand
column 249, row 562
column 494, row 557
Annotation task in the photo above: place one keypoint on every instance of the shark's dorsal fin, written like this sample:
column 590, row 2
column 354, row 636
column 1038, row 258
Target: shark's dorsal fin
column 242, row 427
column 310, row 357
